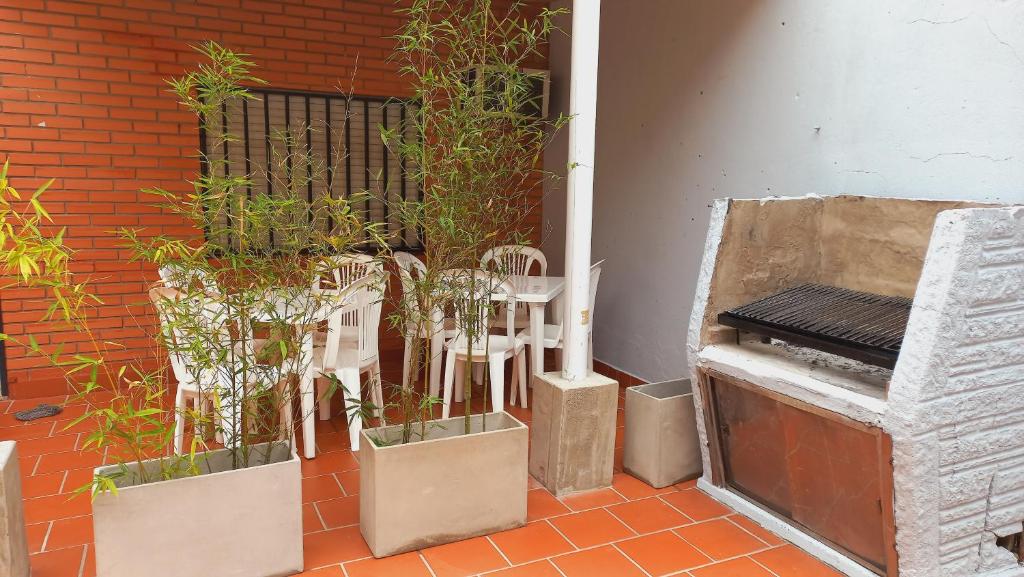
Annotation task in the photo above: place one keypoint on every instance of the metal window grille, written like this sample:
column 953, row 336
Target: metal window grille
column 341, row 130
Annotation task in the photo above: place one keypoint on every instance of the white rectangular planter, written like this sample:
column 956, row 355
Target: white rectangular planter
column 449, row 487
column 661, row 445
column 13, row 542
column 229, row 523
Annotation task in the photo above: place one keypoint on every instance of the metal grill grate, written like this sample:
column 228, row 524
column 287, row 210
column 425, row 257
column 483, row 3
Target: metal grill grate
column 858, row 325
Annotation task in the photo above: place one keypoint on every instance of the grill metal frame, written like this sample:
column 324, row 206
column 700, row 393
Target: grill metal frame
column 863, row 326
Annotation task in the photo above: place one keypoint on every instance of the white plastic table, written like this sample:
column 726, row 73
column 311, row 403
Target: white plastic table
column 295, row 308
column 537, row 292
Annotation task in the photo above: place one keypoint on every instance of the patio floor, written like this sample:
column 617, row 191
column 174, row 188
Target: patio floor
column 627, row 530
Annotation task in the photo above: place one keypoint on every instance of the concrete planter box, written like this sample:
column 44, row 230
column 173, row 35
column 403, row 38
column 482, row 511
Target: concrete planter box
column 661, row 445
column 13, row 542
column 229, row 523
column 446, row 488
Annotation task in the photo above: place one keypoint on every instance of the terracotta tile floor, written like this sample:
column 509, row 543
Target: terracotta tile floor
column 627, row 530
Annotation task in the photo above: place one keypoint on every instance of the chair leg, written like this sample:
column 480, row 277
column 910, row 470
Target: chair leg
column 449, row 381
column 522, row 376
column 590, row 354
column 435, row 366
column 407, row 360
column 460, row 379
column 286, row 425
column 200, row 408
column 513, row 391
column 497, row 365
column 349, row 377
column 378, row 391
column 323, row 399
column 179, row 421
column 478, row 373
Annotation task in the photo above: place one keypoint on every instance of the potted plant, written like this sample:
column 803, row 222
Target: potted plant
column 426, row 481
column 238, row 303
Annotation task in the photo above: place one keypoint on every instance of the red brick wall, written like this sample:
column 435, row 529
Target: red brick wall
column 83, row 100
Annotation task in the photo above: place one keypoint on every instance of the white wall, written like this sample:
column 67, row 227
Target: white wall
column 702, row 99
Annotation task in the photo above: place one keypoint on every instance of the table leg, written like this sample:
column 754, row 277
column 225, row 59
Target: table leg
column 307, row 396
column 436, row 353
column 537, row 337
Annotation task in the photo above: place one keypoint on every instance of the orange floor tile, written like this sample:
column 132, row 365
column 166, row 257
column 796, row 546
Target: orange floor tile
column 629, row 529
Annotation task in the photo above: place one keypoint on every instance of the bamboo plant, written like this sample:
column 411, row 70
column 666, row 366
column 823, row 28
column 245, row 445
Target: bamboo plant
column 232, row 297
column 475, row 156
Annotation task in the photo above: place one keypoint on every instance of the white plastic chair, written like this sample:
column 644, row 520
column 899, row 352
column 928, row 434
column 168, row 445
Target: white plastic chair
column 553, row 334
column 197, row 384
column 177, row 277
column 348, row 359
column 346, row 269
column 514, row 260
column 493, row 349
column 410, row 269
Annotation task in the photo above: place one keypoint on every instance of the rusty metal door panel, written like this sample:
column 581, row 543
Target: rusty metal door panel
column 816, row 470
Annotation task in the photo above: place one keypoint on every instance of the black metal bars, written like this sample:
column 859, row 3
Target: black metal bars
column 343, row 130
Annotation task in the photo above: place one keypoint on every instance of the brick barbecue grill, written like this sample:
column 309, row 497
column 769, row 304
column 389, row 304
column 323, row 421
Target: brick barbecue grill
column 908, row 460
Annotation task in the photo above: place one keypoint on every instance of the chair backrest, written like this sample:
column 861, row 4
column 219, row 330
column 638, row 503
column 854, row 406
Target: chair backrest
column 361, row 308
column 595, row 277
column 348, row 268
column 162, row 297
column 410, row 269
column 471, row 293
column 514, row 259
column 178, row 277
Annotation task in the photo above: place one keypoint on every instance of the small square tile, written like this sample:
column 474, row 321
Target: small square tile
column 320, row 488
column 663, row 553
column 720, row 539
column 589, row 528
column 535, row 541
column 333, row 546
column 35, row 534
column 535, row 569
column 41, row 485
column 58, row 563
column 310, row 520
column 600, row 562
column 404, row 565
column 464, row 558
column 591, row 499
column 70, row 532
column 339, row 512
column 56, row 507
column 649, row 515
column 632, row 488
column 741, row 567
column 757, row 530
column 334, row 571
column 696, row 504
column 540, row 505
column 789, row 561
column 327, row 463
column 349, row 482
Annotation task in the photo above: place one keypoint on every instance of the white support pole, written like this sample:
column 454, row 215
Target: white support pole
column 586, row 29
